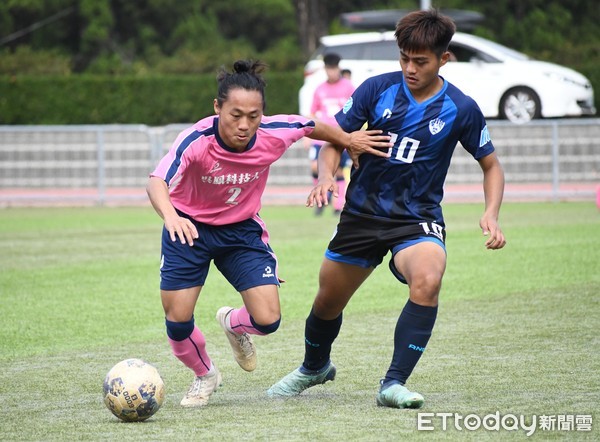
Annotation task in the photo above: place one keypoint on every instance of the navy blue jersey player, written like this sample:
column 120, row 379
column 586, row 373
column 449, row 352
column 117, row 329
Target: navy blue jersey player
column 393, row 204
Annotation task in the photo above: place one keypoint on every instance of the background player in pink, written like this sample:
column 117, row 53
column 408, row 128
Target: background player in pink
column 328, row 99
column 207, row 189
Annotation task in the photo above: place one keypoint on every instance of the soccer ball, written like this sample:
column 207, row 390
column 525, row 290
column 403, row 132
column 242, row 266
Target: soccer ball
column 133, row 390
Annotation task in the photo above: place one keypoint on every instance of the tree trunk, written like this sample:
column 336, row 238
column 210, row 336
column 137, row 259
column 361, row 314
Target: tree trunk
column 312, row 23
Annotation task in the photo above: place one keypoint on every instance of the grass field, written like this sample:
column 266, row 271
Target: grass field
column 517, row 332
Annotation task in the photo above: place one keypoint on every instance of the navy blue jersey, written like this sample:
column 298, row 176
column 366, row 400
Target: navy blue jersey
column 408, row 186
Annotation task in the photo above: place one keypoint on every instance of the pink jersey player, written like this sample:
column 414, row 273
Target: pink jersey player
column 217, row 185
column 207, row 189
column 328, row 99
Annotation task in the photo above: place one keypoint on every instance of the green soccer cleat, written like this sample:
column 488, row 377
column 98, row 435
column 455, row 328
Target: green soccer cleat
column 398, row 396
column 296, row 382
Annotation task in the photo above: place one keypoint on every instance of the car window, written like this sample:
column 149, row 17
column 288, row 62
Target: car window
column 388, row 50
column 467, row 54
column 372, row 50
column 347, row 52
column 503, row 49
column 382, row 50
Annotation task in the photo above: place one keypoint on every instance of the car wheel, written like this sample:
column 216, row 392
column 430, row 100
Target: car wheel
column 520, row 105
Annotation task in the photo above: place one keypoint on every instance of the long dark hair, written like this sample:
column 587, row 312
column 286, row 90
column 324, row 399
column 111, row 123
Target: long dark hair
column 245, row 75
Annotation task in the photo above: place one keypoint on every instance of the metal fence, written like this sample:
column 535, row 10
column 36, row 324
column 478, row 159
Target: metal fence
column 105, row 164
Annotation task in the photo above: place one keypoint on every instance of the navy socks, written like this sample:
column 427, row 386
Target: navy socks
column 411, row 336
column 319, row 334
column 413, row 331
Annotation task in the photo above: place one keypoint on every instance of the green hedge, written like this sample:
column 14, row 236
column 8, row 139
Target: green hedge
column 591, row 69
column 154, row 101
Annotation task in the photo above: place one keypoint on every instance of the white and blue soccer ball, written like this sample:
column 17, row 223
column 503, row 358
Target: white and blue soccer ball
column 133, row 390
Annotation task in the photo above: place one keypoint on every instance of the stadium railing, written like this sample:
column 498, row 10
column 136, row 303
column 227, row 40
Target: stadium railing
column 546, row 160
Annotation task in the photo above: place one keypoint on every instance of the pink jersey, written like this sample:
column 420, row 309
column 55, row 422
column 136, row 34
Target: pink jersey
column 328, row 99
column 216, row 185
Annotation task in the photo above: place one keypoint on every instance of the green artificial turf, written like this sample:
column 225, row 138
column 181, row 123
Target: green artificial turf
column 517, row 330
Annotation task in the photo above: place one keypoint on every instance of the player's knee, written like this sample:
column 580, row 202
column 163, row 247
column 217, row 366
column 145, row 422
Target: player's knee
column 178, row 331
column 327, row 308
column 430, row 283
column 427, row 284
column 266, row 329
column 426, row 288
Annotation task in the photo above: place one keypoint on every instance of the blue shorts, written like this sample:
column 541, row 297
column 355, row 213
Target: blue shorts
column 364, row 241
column 238, row 251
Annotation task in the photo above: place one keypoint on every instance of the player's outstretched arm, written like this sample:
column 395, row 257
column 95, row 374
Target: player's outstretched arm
column 493, row 189
column 177, row 226
column 357, row 143
column 328, row 162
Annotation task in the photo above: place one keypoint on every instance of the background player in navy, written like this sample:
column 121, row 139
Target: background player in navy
column 393, row 204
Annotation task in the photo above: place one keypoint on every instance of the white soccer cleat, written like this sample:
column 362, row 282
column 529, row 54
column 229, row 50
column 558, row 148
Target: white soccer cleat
column 243, row 348
column 202, row 388
column 398, row 396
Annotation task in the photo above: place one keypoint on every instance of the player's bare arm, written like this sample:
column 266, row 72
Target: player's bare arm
column 329, row 160
column 356, row 147
column 177, row 226
column 493, row 189
column 357, row 142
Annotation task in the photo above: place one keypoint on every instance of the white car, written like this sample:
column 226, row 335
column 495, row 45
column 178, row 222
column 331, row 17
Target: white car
column 505, row 83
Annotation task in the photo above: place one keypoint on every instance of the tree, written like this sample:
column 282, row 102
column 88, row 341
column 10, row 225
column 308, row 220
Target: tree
column 315, row 17
column 312, row 21
column 124, row 36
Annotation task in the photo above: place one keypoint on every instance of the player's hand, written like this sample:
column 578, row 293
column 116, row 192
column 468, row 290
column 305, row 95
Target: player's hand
column 182, row 228
column 319, row 194
column 489, row 227
column 368, row 141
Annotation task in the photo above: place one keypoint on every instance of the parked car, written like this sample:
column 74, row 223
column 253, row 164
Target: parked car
column 506, row 84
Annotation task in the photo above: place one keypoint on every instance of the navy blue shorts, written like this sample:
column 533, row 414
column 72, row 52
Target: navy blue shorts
column 364, row 241
column 238, row 250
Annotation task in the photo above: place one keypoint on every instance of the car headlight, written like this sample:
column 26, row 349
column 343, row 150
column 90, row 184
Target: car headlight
column 556, row 76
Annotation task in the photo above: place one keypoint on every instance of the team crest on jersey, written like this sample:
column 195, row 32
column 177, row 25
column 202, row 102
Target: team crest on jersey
column 484, row 137
column 436, row 126
column 348, row 105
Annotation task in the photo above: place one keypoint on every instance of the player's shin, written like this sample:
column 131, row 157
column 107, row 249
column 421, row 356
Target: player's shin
column 411, row 336
column 319, row 335
column 189, row 346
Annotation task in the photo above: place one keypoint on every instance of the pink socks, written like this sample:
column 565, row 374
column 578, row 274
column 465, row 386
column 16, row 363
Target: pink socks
column 239, row 322
column 192, row 352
